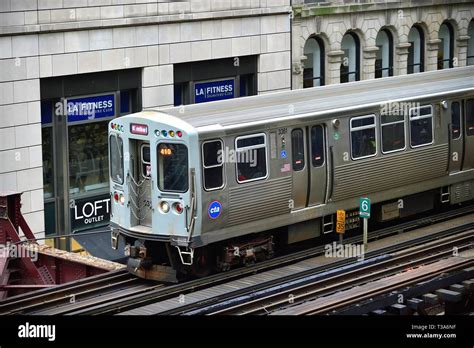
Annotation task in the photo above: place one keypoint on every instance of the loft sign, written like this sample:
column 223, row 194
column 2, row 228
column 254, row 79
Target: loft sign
column 87, row 212
column 215, row 90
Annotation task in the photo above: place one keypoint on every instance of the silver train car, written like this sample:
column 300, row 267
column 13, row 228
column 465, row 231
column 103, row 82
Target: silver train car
column 209, row 186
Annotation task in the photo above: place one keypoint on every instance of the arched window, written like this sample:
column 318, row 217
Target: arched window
column 470, row 47
column 313, row 73
column 384, row 60
column 446, row 46
column 416, row 52
column 350, row 65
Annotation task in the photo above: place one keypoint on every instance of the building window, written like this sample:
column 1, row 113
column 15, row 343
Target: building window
column 421, row 126
column 297, row 149
column 446, row 46
column 363, row 137
column 212, row 80
column 455, row 120
column 384, row 60
column 350, row 66
column 416, row 52
column 213, row 165
column 470, row 117
column 88, row 169
column 48, row 148
column 317, row 146
column 393, row 133
column 251, row 157
column 470, row 49
column 313, row 73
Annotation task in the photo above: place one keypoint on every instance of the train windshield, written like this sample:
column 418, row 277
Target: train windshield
column 116, row 159
column 172, row 167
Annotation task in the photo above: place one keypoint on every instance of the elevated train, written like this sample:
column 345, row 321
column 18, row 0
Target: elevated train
column 208, row 186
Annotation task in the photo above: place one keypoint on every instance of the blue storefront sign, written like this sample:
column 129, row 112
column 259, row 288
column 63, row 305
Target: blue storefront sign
column 215, row 90
column 90, row 108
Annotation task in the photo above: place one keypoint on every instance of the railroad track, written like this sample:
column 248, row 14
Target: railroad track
column 398, row 262
column 129, row 297
column 70, row 293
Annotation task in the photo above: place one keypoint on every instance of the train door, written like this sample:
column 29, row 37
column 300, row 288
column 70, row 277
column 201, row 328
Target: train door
column 468, row 161
column 317, row 165
column 299, row 167
column 140, row 186
column 456, row 136
column 309, row 166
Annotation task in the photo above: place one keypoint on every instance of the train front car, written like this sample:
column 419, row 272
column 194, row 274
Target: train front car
column 153, row 189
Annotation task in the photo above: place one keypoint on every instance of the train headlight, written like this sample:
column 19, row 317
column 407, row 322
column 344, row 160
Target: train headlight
column 178, row 207
column 165, row 207
column 122, row 199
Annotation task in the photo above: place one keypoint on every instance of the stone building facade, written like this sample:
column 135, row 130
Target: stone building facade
column 59, row 49
column 330, row 21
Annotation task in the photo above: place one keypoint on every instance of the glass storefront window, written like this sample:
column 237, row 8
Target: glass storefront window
column 88, row 162
column 48, row 169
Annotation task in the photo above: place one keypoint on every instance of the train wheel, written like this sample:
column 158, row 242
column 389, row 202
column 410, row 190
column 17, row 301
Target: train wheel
column 203, row 263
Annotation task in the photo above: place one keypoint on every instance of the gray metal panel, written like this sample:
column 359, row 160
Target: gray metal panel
column 462, row 192
column 377, row 174
column 289, row 104
column 259, row 200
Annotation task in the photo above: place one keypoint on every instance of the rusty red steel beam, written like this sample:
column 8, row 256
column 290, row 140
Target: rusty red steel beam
column 50, row 267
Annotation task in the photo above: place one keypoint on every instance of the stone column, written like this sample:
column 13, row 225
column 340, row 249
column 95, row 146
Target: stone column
column 297, row 58
column 401, row 58
column 334, row 67
column 368, row 63
column 462, row 46
column 431, row 59
column 297, row 72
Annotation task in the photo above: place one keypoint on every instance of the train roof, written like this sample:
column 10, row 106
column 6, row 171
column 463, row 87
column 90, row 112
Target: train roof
column 272, row 106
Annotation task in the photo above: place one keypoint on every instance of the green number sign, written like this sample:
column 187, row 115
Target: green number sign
column 364, row 208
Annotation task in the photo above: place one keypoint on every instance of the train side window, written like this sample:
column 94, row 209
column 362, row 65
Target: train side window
column 297, row 149
column 251, row 157
column 146, row 162
column 455, row 120
column 470, row 117
column 393, row 133
column 421, row 126
column 363, row 137
column 317, row 146
column 213, row 165
column 116, row 159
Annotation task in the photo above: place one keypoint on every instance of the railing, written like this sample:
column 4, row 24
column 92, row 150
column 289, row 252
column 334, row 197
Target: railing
column 379, row 71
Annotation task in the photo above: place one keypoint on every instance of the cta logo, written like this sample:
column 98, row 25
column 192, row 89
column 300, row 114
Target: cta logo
column 214, row 210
